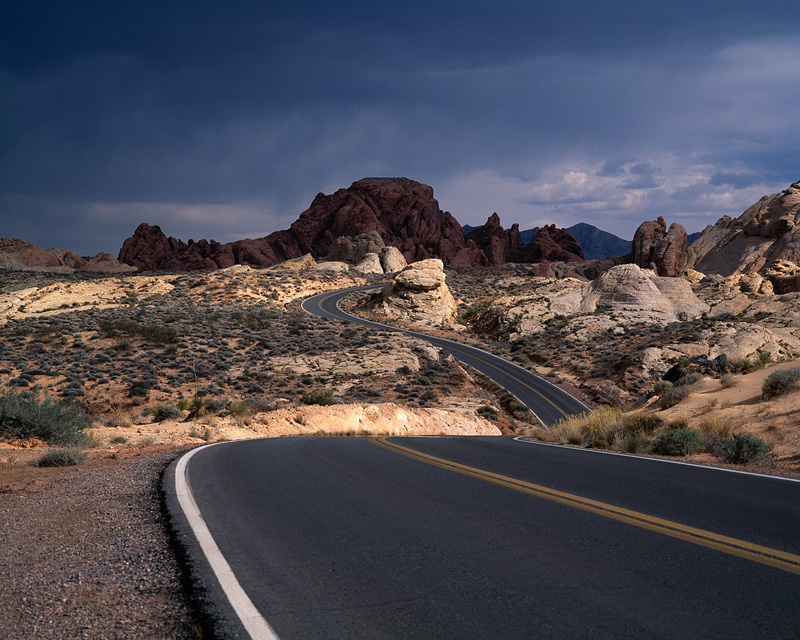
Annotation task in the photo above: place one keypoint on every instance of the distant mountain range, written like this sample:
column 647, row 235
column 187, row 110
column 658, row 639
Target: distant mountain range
column 596, row 243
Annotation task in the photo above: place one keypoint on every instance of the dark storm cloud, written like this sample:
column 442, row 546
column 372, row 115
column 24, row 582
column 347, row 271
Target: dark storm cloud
column 226, row 120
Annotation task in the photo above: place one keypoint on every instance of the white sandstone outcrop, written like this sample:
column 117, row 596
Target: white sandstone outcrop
column 370, row 263
column 392, row 260
column 419, row 293
column 628, row 289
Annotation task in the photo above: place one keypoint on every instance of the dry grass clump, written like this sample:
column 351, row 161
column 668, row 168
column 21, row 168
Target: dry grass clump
column 589, row 429
column 646, row 431
column 605, row 428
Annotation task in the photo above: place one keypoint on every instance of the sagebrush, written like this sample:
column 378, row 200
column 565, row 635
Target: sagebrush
column 26, row 415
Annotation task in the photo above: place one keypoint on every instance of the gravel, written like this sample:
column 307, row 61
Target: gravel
column 84, row 552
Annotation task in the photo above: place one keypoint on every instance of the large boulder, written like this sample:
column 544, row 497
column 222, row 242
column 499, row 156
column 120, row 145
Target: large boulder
column 353, row 249
column 370, row 263
column 392, row 260
column 419, row 293
column 627, row 289
column 303, row 263
column 69, row 258
column 106, row 263
column 655, row 247
column 784, row 276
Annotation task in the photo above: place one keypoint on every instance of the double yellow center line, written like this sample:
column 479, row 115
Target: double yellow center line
column 741, row 548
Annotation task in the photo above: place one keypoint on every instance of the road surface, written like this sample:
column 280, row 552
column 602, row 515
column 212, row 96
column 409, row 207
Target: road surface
column 548, row 402
column 489, row 537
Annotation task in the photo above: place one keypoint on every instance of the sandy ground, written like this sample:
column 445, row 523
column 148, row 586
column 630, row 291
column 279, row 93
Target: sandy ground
column 777, row 420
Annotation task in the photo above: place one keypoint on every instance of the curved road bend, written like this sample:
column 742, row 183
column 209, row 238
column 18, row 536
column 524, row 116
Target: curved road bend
column 423, row 538
column 548, row 402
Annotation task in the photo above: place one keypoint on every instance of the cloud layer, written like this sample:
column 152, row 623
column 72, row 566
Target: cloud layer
column 226, row 125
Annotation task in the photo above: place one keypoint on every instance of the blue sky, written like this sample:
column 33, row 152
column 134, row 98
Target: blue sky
column 224, row 120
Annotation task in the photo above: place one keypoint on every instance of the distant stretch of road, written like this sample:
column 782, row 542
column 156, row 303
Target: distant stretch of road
column 548, row 402
column 483, row 537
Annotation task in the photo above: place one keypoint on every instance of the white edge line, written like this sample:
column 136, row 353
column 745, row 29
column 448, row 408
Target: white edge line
column 696, row 465
column 250, row 617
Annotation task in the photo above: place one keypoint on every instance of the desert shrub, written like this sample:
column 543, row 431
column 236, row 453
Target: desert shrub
column 679, row 422
column 321, row 397
column 646, row 422
column 65, row 457
column 779, row 381
column 140, row 388
column 568, row 432
column 25, row 415
column 691, row 378
column 255, row 320
column 714, row 430
column 742, row 448
column 119, row 440
column 486, row 411
column 763, row 359
column 240, row 409
column 157, row 333
column 197, row 407
column 661, row 386
column 680, row 442
column 673, row 396
column 727, row 380
column 743, row 365
column 633, row 442
column 165, row 411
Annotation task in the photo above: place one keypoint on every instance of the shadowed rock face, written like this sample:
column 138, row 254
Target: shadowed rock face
column 656, row 248
column 552, row 244
column 505, row 245
column 496, row 243
column 402, row 212
column 767, row 232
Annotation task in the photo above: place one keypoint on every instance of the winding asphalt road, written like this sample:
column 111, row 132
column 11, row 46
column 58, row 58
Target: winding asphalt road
column 548, row 402
column 489, row 537
column 481, row 537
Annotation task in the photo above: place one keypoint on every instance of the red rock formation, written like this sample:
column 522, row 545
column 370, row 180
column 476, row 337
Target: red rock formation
column 495, row 242
column 506, row 245
column 470, row 256
column 403, row 212
column 656, row 248
column 552, row 244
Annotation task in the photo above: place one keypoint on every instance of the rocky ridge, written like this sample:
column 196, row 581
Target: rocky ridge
column 765, row 233
column 402, row 212
column 501, row 245
column 21, row 255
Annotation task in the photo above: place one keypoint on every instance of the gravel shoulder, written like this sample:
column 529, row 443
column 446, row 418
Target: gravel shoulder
column 85, row 553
